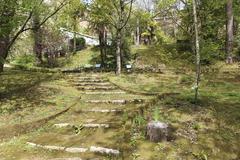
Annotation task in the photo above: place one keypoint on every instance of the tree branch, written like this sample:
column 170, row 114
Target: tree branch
column 129, row 14
column 23, row 29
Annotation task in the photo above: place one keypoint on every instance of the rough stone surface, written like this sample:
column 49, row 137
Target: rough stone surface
column 46, row 146
column 73, row 158
column 104, row 150
column 59, row 148
column 89, row 125
column 108, row 101
column 104, row 93
column 76, row 150
column 103, row 110
column 62, row 125
column 92, row 125
column 157, row 131
column 97, row 88
column 93, row 84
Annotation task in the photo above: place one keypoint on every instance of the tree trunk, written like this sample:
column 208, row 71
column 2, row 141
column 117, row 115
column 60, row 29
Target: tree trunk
column 197, row 48
column 75, row 36
column 37, row 36
column 105, row 43
column 101, row 43
column 4, row 43
column 118, row 52
column 229, row 36
column 138, row 34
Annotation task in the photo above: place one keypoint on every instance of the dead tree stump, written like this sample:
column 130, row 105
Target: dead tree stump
column 157, row 131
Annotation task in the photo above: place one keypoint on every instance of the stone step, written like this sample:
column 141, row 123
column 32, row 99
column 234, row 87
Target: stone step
column 93, row 77
column 92, row 149
column 103, row 150
column 104, row 93
column 92, row 84
column 91, row 80
column 59, row 148
column 73, row 158
column 97, row 88
column 103, row 110
column 89, row 125
column 120, row 101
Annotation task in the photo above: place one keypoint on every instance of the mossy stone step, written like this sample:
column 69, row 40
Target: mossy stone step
column 97, row 88
column 93, row 149
column 73, row 158
column 120, row 101
column 90, row 81
column 103, row 110
column 88, row 125
column 93, row 84
column 104, row 93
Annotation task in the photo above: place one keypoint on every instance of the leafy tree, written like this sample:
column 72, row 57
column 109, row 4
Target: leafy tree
column 100, row 23
column 15, row 18
column 72, row 13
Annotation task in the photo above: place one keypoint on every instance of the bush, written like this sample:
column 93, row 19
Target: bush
column 210, row 52
column 80, row 44
column 25, row 60
column 110, row 59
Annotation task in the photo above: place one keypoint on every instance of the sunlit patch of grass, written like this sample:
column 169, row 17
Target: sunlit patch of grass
column 82, row 58
column 150, row 82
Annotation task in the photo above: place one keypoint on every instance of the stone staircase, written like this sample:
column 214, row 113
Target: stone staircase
column 93, row 129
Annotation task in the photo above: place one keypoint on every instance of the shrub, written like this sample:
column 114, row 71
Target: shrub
column 25, row 60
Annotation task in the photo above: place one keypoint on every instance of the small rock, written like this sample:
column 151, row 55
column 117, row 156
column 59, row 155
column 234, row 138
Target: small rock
column 62, row 125
column 76, row 150
column 91, row 125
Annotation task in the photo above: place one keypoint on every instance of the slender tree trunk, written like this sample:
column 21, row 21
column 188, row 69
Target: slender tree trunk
column 37, row 36
column 174, row 25
column 229, row 36
column 138, row 34
column 197, row 50
column 118, row 52
column 101, row 43
column 75, row 36
column 105, row 43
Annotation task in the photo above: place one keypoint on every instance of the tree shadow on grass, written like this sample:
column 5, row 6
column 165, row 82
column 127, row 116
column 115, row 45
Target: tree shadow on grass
column 20, row 89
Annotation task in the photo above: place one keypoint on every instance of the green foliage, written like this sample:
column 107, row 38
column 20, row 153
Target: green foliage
column 25, row 60
column 80, row 44
column 110, row 60
column 210, row 52
column 187, row 80
column 139, row 121
column 156, row 114
column 70, row 15
column 201, row 156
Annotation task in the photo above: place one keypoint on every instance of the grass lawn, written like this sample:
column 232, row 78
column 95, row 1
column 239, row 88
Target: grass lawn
column 208, row 130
